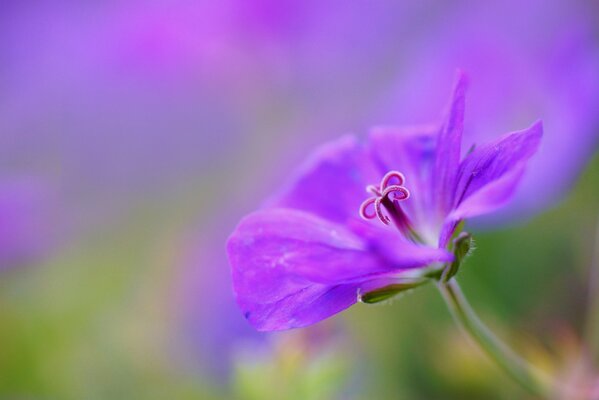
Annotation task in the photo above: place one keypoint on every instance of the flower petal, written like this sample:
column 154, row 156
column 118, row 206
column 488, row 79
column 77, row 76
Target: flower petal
column 275, row 253
column 274, row 244
column 488, row 176
column 448, row 148
column 277, row 243
column 332, row 183
column 308, row 305
column 491, row 196
column 289, row 264
column 401, row 254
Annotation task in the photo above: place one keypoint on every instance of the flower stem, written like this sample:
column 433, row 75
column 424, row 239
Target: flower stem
column 525, row 374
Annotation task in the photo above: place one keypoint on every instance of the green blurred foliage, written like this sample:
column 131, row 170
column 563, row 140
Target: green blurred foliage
column 293, row 369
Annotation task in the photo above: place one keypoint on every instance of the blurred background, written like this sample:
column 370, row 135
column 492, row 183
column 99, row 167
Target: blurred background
column 135, row 134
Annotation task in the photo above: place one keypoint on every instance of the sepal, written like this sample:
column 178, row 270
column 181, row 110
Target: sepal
column 389, row 291
column 463, row 245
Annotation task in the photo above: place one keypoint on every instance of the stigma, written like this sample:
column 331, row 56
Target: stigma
column 385, row 195
column 385, row 204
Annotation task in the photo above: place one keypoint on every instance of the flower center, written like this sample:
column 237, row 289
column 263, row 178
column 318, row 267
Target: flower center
column 385, row 204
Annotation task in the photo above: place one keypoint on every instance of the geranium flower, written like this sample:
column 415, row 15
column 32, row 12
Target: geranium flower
column 323, row 243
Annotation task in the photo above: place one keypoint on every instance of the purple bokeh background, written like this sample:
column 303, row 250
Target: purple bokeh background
column 112, row 105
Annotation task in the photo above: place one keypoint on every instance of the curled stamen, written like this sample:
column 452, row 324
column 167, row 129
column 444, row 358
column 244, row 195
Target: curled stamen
column 364, row 207
column 386, row 205
column 387, row 196
column 389, row 176
column 399, row 192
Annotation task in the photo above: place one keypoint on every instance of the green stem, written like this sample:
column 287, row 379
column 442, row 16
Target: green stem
column 525, row 374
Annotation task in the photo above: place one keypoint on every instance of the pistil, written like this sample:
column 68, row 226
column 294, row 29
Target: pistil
column 386, row 204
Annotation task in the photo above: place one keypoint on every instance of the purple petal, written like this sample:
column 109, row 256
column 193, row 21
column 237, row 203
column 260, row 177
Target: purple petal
column 396, row 250
column 331, row 184
column 271, row 250
column 292, row 268
column 491, row 196
column 488, row 176
column 449, row 146
column 308, row 305
column 279, row 243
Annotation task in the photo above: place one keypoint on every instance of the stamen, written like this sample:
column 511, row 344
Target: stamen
column 385, row 203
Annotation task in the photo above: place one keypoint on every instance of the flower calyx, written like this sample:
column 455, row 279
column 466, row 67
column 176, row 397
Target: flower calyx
column 463, row 245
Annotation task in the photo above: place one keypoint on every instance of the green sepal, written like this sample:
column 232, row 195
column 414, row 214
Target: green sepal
column 387, row 292
column 462, row 245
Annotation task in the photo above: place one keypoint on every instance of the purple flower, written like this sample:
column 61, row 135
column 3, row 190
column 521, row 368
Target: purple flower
column 322, row 242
